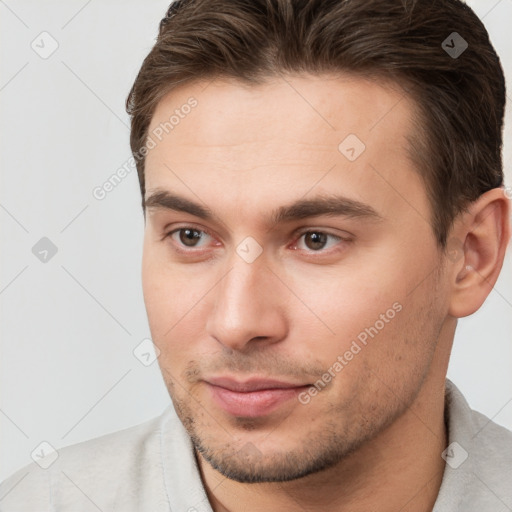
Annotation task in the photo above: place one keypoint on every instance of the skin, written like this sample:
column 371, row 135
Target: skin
column 372, row 439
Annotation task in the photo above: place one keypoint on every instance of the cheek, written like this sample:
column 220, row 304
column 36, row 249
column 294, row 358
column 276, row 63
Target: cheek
column 365, row 313
column 174, row 296
column 343, row 301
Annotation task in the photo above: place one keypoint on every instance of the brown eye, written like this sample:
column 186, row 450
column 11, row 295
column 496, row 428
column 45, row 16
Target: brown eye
column 319, row 241
column 315, row 240
column 189, row 237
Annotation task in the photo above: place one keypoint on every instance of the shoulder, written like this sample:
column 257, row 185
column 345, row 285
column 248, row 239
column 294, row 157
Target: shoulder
column 87, row 474
column 491, row 450
column 490, row 443
column 478, row 473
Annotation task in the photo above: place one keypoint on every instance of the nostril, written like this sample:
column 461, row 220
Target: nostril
column 260, row 338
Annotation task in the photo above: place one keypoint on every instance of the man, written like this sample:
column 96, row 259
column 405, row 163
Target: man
column 323, row 197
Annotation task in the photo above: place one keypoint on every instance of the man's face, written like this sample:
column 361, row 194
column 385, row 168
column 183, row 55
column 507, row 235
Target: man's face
column 250, row 308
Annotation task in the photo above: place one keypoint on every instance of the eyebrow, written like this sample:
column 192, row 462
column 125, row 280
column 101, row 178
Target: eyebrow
column 332, row 205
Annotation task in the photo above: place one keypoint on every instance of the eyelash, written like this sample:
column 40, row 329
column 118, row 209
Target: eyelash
column 298, row 236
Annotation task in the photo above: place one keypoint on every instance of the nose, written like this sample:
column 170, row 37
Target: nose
column 248, row 308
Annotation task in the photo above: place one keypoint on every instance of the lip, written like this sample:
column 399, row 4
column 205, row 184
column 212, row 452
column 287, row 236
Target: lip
column 252, row 398
column 253, row 384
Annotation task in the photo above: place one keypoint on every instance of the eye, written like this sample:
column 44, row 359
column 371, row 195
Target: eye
column 188, row 237
column 317, row 240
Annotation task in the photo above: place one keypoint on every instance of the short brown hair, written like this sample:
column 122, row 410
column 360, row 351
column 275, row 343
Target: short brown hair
column 460, row 99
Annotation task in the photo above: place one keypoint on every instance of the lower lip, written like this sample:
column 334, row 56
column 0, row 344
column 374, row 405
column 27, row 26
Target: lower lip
column 252, row 404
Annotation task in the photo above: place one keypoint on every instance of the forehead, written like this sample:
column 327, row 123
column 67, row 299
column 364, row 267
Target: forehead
column 289, row 136
column 315, row 109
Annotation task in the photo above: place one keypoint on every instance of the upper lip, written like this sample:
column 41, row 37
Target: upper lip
column 253, row 384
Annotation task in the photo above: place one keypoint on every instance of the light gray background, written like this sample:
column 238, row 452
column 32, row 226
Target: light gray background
column 69, row 326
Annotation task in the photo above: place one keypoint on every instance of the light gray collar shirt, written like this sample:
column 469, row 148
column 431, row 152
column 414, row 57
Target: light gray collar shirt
column 151, row 467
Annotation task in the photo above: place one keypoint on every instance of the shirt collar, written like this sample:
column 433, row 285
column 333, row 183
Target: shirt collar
column 459, row 465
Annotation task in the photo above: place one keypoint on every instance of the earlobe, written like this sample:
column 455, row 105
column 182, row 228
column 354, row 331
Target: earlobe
column 485, row 231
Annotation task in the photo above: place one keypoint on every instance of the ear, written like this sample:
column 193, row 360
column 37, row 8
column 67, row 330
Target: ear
column 476, row 249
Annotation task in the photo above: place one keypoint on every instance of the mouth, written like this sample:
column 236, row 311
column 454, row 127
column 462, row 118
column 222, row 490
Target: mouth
column 252, row 398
